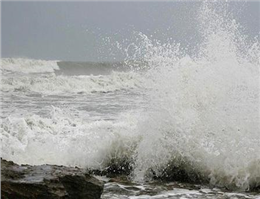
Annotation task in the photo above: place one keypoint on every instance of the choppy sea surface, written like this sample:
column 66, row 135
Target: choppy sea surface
column 186, row 125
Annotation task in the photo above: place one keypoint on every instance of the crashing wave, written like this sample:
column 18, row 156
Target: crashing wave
column 202, row 120
column 203, row 116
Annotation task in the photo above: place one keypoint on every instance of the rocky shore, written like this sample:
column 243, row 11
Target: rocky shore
column 47, row 182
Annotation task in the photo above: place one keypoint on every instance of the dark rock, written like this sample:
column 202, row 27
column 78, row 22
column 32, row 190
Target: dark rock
column 47, row 181
column 116, row 168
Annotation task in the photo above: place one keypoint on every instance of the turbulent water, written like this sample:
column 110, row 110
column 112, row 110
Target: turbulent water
column 168, row 114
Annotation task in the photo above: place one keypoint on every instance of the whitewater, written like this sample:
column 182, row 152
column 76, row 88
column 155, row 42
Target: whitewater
column 167, row 114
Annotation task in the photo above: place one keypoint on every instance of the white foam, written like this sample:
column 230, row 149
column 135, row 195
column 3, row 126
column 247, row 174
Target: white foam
column 183, row 193
column 52, row 84
column 65, row 140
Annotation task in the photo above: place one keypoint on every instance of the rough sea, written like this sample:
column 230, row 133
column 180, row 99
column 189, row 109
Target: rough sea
column 186, row 125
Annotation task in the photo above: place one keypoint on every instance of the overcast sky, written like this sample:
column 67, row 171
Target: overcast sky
column 78, row 31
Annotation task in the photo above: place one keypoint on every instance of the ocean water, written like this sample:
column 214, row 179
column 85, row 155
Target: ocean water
column 185, row 124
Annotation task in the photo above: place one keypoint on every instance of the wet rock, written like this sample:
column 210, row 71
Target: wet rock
column 115, row 169
column 47, row 181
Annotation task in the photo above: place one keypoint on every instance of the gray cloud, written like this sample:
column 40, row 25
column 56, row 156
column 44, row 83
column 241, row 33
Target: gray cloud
column 76, row 30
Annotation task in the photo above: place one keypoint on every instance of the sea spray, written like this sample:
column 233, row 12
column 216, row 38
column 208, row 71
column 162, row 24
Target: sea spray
column 200, row 121
column 204, row 109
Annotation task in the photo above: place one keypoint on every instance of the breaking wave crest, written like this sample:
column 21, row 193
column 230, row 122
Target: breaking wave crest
column 22, row 65
column 51, row 84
